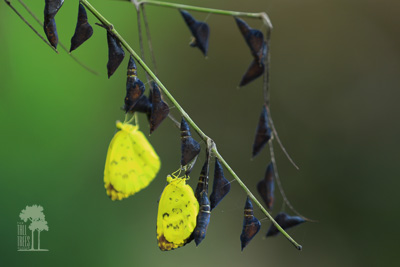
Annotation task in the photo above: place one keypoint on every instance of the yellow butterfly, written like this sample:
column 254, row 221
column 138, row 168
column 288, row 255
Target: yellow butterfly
column 177, row 214
column 131, row 162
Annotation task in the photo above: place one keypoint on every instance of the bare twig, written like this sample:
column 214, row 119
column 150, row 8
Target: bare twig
column 278, row 181
column 149, row 41
column 60, row 43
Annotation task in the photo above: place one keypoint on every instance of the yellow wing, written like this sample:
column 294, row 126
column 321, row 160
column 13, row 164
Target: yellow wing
column 131, row 163
column 177, row 213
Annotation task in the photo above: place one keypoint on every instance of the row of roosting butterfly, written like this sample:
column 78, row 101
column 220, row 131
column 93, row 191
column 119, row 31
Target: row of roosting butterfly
column 132, row 163
column 200, row 31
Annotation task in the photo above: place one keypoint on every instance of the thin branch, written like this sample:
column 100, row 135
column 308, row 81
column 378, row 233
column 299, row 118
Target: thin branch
column 60, row 43
column 141, row 39
column 262, row 15
column 30, row 26
column 271, row 122
column 267, row 62
column 186, row 116
column 275, row 133
column 278, row 181
column 176, row 123
column 149, row 41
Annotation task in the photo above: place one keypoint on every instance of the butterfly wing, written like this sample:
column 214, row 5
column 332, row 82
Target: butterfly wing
column 177, row 213
column 131, row 163
column 147, row 157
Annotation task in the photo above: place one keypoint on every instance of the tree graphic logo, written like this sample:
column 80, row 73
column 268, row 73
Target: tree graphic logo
column 35, row 216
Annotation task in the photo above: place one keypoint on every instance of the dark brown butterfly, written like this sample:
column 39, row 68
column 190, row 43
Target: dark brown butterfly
column 115, row 54
column 199, row 30
column 263, row 132
column 251, row 225
column 266, row 187
column 254, row 71
column 134, row 87
column 285, row 221
column 258, row 48
column 83, row 30
column 143, row 105
column 203, row 218
column 254, row 39
column 50, row 10
column 221, row 185
column 159, row 109
column 52, row 6
column 202, row 185
column 190, row 148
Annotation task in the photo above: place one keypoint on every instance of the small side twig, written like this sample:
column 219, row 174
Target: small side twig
column 263, row 16
column 30, row 26
column 149, row 40
column 276, row 136
column 278, row 181
column 141, row 39
column 60, row 43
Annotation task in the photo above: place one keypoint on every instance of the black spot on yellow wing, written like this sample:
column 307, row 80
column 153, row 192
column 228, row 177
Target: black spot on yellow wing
column 177, row 210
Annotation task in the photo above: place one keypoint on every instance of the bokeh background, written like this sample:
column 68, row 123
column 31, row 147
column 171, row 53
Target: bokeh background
column 334, row 99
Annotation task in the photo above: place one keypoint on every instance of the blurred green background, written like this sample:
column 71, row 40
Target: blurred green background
column 334, row 99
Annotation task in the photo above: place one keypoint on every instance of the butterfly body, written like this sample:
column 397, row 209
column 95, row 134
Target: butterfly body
column 134, row 87
column 266, row 187
column 203, row 219
column 200, row 31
